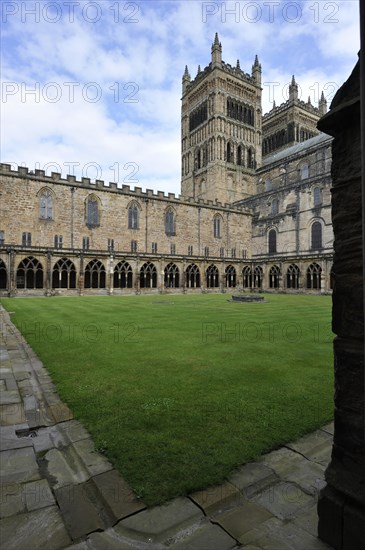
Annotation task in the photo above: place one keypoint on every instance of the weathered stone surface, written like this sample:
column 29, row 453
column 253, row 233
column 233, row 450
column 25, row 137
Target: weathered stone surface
column 9, row 397
column 214, row 499
column 60, row 412
column 283, row 500
column 243, row 519
column 42, row 529
column 117, row 494
column 79, row 511
column 64, row 468
column 37, row 494
column 10, row 440
column 19, row 465
column 11, row 501
column 309, row 445
column 161, row 522
column 208, row 536
column 94, row 462
column 308, row 520
column 252, row 478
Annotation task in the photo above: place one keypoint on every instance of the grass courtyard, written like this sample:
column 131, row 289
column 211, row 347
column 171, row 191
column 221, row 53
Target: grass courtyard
column 178, row 390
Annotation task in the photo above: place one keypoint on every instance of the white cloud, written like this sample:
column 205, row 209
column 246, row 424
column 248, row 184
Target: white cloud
column 147, row 59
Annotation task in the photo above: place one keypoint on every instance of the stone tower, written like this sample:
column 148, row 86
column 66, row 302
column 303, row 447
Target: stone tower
column 220, row 130
column 291, row 122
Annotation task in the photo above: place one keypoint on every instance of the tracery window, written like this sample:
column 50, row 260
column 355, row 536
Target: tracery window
column 46, row 205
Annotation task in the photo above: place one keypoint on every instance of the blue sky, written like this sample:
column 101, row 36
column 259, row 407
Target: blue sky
column 93, row 88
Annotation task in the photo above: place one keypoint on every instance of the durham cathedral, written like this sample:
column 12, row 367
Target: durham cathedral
column 254, row 212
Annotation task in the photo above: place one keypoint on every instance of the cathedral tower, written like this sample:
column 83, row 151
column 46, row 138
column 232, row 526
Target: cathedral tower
column 220, row 130
column 291, row 122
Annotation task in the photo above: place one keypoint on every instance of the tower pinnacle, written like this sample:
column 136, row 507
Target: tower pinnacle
column 293, row 90
column 216, row 52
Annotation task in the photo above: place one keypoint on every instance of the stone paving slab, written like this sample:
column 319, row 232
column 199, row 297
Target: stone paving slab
column 283, row 500
column 19, row 465
column 276, row 535
column 79, row 511
column 118, row 496
column 162, row 522
column 12, row 414
column 39, row 530
column 243, row 519
column 207, row 536
column 10, row 439
column 63, row 468
column 215, row 499
column 253, row 478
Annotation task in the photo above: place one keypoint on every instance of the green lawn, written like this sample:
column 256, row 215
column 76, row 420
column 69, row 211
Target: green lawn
column 178, row 390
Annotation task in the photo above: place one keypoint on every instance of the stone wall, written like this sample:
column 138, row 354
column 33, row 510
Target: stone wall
column 342, row 501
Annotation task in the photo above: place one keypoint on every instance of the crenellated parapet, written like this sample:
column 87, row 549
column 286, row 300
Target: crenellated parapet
column 55, row 178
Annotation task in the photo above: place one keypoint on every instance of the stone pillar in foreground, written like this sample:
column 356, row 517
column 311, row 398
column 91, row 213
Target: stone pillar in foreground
column 341, row 502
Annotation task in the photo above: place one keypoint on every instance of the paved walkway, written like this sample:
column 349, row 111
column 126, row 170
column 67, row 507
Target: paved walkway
column 57, row 492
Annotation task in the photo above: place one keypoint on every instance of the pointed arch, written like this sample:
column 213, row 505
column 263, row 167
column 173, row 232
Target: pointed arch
column 123, row 275
column 314, row 273
column 217, row 226
column 133, row 209
column 92, row 211
column 171, row 276
column 231, row 276
column 292, row 276
column 247, row 276
column 192, row 276
column 170, row 221
column 64, row 274
column 257, row 277
column 95, row 274
column 148, row 275
column 29, row 275
column 3, row 276
column 212, row 276
column 274, row 276
column 46, row 204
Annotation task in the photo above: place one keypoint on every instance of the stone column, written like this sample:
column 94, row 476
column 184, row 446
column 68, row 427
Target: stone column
column 341, row 503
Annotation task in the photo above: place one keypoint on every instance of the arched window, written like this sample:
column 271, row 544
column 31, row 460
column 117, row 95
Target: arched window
column 292, row 276
column 92, row 211
column 275, row 206
column 304, row 171
column 212, row 276
column 257, row 277
column 240, row 155
column 29, row 274
column 148, row 275
column 170, row 222
column 46, row 205
column 317, row 197
column 274, row 276
column 3, row 275
column 192, row 276
column 268, row 185
column 229, row 153
column 133, row 216
column 230, row 276
column 217, row 227
column 64, row 274
column 314, row 272
column 123, row 275
column 272, row 241
column 247, row 277
column 95, row 275
column 250, row 159
column 316, row 236
column 172, row 276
